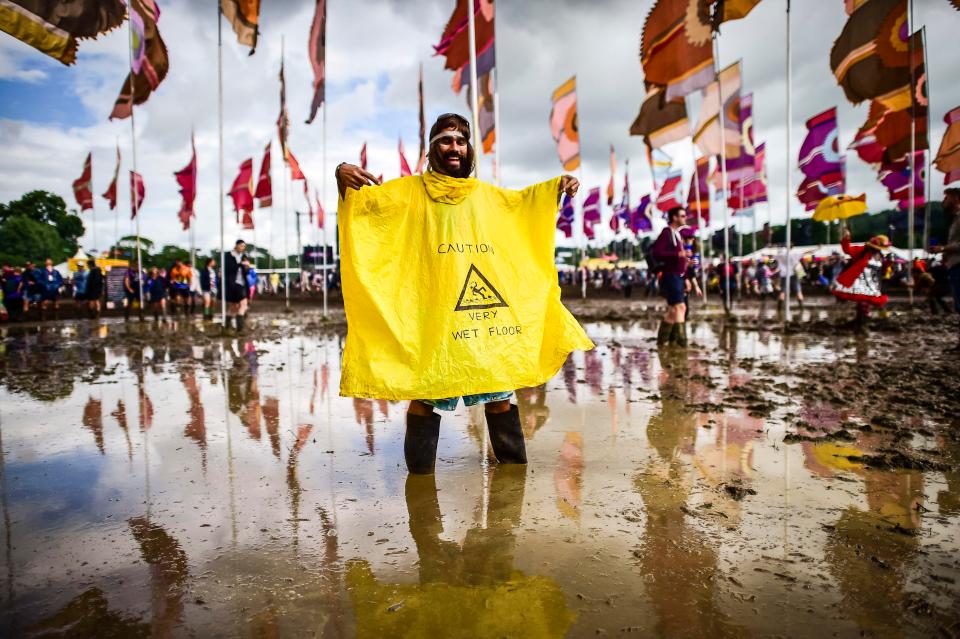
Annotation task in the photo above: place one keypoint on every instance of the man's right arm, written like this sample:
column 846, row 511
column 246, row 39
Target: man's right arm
column 350, row 176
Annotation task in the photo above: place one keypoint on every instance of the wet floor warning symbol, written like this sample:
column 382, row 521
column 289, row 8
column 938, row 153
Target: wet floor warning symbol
column 478, row 293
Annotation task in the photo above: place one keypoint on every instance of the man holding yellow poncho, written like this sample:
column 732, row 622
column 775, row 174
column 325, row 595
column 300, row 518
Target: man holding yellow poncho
column 450, row 291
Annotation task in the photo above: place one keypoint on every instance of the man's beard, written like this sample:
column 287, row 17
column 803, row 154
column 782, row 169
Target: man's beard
column 462, row 171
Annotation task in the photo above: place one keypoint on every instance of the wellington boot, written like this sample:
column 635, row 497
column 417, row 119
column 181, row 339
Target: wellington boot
column 240, row 320
column 420, row 443
column 664, row 334
column 680, row 334
column 506, row 436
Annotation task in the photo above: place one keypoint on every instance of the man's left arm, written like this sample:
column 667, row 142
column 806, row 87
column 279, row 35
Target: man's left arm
column 569, row 185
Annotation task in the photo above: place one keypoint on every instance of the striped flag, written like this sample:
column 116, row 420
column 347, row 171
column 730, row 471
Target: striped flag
column 149, row 60
column 244, row 17
column 563, row 125
column 138, row 191
column 948, row 157
column 83, row 185
column 317, row 49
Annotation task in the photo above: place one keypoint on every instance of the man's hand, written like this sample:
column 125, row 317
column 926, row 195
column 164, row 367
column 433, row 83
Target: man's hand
column 350, row 176
column 569, row 185
column 846, row 234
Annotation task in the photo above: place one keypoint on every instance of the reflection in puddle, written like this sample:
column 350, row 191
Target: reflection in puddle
column 170, row 483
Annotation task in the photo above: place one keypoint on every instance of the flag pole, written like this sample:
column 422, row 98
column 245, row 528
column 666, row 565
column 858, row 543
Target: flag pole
column 788, row 194
column 929, row 153
column 911, row 211
column 723, row 173
column 223, row 253
column 286, row 217
column 133, row 142
column 116, row 209
column 696, row 182
column 474, row 108
column 323, row 226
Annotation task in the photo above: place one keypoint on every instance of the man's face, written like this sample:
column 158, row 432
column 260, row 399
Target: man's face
column 452, row 148
column 241, row 247
column 681, row 218
column 49, row 264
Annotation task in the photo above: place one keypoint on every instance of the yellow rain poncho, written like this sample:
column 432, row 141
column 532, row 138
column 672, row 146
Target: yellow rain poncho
column 450, row 289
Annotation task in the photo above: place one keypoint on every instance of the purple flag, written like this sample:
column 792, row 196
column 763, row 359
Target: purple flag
column 565, row 218
column 741, row 168
column 821, row 160
column 896, row 177
column 640, row 221
column 591, row 212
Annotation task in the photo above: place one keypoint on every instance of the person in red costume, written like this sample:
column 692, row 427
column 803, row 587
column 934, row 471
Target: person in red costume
column 859, row 281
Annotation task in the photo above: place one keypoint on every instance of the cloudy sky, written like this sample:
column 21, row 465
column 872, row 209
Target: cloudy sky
column 51, row 115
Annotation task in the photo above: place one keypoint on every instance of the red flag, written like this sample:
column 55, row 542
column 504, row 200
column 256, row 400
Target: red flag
column 404, row 167
column 295, row 172
column 320, row 213
column 264, row 192
column 187, row 179
column 83, row 185
column 423, row 125
column 283, row 120
column 363, row 157
column 137, row 192
column 306, row 196
column 242, row 193
column 317, row 48
column 110, row 195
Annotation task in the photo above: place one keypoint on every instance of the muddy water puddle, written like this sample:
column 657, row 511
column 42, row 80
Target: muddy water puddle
column 192, row 486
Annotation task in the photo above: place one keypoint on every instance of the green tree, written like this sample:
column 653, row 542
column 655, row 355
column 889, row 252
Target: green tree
column 46, row 208
column 22, row 239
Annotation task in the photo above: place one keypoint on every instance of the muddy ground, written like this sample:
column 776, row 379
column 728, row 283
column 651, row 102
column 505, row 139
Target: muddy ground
column 769, row 481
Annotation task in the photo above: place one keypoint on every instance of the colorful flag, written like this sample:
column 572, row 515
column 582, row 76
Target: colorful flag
column 306, row 196
column 563, row 124
column 741, row 167
column 138, row 191
column 455, row 41
column 671, row 193
column 727, row 10
column 660, row 121
column 110, row 195
column 244, row 17
column 317, row 49
column 755, row 186
column 676, row 48
column 187, row 179
column 295, row 172
column 622, row 210
column 896, row 177
column 948, row 157
column 53, row 28
column 641, row 220
column 149, row 58
column 242, row 191
column 591, row 212
column 83, row 185
column 698, row 198
column 613, row 172
column 871, row 59
column 283, row 120
column 264, row 190
column 566, row 216
column 321, row 216
column 404, row 166
column 661, row 165
column 821, row 161
column 707, row 135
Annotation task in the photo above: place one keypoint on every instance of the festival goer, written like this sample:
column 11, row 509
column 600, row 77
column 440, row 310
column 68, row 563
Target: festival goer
column 194, row 289
column 235, row 285
column 51, row 282
column 451, row 161
column 251, row 280
column 131, row 290
column 94, row 288
column 859, row 282
column 951, row 250
column 13, row 291
column 671, row 257
column 208, row 286
column 80, row 286
column 791, row 262
column 179, row 278
column 155, row 293
column 30, row 287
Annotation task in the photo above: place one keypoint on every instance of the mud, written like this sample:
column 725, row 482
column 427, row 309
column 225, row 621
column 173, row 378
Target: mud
column 168, row 481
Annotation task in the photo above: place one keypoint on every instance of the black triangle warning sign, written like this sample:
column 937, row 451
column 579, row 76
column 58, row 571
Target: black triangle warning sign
column 478, row 293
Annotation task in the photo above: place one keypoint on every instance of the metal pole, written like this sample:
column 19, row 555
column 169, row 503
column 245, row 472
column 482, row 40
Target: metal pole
column 700, row 233
column 116, row 209
column 926, row 212
column 911, row 211
column 496, row 128
column 323, row 227
column 723, row 174
column 133, row 140
column 223, row 252
column 787, row 267
column 474, row 108
column 286, row 220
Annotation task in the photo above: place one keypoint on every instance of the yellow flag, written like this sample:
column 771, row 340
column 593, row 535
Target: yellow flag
column 450, row 289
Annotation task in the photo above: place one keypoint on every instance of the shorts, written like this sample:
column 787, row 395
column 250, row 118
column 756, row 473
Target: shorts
column 468, row 400
column 672, row 288
column 50, row 295
column 954, row 276
column 794, row 285
column 236, row 293
column 179, row 293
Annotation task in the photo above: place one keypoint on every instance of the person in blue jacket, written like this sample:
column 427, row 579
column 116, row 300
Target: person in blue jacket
column 155, row 294
column 50, row 282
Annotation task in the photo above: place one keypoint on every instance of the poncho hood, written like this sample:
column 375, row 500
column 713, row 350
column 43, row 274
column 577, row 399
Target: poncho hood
column 446, row 189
